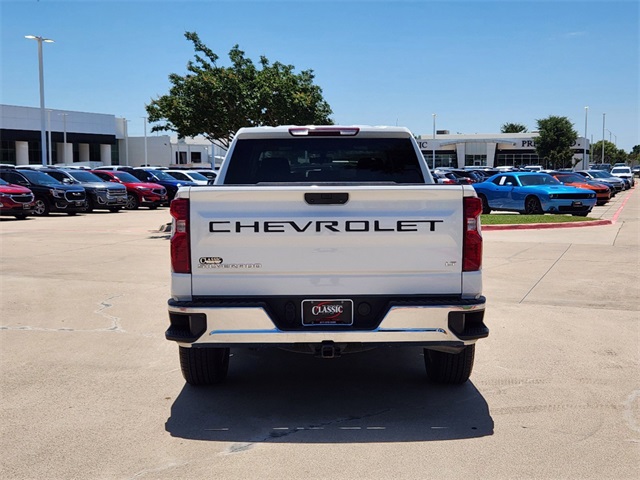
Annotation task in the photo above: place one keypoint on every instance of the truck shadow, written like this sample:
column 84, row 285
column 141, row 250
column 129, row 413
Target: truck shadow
column 376, row 396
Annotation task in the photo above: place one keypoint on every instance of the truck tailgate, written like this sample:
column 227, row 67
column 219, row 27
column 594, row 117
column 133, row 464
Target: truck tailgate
column 266, row 240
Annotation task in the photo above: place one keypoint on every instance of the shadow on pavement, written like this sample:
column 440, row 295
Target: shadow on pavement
column 376, row 396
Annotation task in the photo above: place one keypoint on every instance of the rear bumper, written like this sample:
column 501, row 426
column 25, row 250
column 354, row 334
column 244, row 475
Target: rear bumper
column 436, row 321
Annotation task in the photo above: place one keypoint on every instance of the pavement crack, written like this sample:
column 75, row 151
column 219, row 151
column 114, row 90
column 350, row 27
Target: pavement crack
column 545, row 274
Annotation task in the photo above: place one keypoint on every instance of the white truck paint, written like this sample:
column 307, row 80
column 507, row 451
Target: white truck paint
column 326, row 240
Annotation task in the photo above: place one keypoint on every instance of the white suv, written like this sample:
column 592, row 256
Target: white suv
column 623, row 172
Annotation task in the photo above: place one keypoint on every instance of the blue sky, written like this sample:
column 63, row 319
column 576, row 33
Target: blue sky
column 475, row 64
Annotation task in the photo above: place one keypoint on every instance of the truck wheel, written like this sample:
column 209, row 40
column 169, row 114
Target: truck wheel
column 89, row 207
column 204, row 366
column 449, row 368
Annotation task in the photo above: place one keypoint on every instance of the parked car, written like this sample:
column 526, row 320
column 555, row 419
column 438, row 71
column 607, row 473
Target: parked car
column 624, row 173
column 636, row 170
column 189, row 176
column 445, row 178
column 603, row 192
column 210, row 174
column 101, row 194
column 50, row 194
column 533, row 193
column 139, row 193
column 16, row 200
column 600, row 166
column 615, row 183
column 152, row 175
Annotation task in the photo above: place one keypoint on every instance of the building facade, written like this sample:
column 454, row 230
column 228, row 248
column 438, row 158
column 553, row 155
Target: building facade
column 489, row 150
column 93, row 139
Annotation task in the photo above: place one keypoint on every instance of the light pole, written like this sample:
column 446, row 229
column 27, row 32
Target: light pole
column 50, row 161
column 146, row 163
column 434, row 142
column 614, row 136
column 603, row 117
column 126, row 142
column 43, row 135
column 585, row 157
column 64, row 148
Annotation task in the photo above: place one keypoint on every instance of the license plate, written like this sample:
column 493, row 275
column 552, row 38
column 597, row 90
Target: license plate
column 577, row 203
column 79, row 203
column 327, row 312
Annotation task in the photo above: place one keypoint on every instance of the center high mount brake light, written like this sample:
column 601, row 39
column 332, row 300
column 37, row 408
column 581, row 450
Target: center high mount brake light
column 324, row 131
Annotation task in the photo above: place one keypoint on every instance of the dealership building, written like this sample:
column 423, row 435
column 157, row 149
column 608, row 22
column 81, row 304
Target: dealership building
column 93, row 139
column 487, row 150
column 96, row 139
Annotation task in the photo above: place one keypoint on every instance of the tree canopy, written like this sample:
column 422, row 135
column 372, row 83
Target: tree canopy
column 216, row 101
column 554, row 143
column 513, row 128
column 612, row 154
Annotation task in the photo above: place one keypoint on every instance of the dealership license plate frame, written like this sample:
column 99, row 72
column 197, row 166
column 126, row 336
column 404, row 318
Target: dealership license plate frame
column 311, row 319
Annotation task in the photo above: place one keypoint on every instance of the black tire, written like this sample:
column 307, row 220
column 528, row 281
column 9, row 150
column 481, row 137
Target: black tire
column 114, row 209
column 132, row 202
column 42, row 207
column 486, row 209
column 204, row 366
column 21, row 217
column 89, row 207
column 71, row 214
column 449, row 368
column 580, row 214
column 532, row 206
column 153, row 207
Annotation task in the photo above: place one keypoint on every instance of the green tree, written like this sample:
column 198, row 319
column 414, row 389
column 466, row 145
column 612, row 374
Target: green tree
column 513, row 128
column 634, row 156
column 553, row 145
column 216, row 101
column 612, row 154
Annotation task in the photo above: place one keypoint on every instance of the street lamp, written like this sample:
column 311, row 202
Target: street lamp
column 64, row 149
column 434, row 141
column 585, row 156
column 43, row 134
column 146, row 163
column 603, row 118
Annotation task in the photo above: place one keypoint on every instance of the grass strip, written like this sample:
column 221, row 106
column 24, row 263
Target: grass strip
column 517, row 219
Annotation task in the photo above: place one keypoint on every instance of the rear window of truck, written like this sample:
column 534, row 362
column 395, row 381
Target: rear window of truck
column 333, row 160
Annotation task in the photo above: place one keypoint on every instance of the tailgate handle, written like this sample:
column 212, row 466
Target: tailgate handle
column 327, row 198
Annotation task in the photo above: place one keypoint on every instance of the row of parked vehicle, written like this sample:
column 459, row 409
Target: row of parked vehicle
column 39, row 190
column 532, row 191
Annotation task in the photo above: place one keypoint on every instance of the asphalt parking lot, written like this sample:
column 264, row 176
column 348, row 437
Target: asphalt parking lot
column 90, row 389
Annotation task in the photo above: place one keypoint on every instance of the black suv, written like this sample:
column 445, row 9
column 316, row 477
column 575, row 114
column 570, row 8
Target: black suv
column 50, row 194
column 100, row 194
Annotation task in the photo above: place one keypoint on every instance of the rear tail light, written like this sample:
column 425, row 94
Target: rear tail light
column 180, row 241
column 472, row 246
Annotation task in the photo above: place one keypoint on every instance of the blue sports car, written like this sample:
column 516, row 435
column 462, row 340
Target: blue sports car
column 533, row 193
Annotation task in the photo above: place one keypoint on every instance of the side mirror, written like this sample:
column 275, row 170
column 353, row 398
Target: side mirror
column 66, row 181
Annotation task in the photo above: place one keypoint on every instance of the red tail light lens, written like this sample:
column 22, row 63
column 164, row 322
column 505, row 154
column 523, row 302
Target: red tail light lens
column 472, row 248
column 180, row 241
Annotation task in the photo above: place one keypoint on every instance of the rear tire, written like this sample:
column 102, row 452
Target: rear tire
column 204, row 366
column 449, row 368
column 486, row 209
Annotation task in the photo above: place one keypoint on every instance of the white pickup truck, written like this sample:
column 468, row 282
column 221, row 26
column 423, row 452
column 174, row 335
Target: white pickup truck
column 326, row 240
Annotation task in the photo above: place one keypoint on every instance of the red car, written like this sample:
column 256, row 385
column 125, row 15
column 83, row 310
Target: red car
column 603, row 194
column 15, row 200
column 139, row 193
